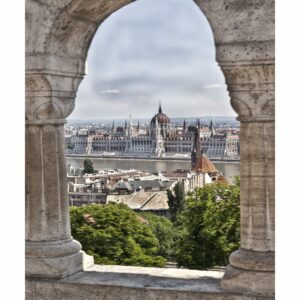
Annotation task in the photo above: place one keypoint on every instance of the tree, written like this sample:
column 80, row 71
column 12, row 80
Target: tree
column 114, row 234
column 88, row 166
column 164, row 231
column 176, row 200
column 209, row 226
column 71, row 146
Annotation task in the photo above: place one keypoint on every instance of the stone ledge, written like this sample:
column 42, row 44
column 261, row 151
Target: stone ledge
column 134, row 283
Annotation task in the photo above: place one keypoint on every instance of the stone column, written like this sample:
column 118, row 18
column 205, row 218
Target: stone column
column 251, row 89
column 50, row 250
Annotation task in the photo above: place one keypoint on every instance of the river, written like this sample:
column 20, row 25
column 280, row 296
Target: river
column 229, row 169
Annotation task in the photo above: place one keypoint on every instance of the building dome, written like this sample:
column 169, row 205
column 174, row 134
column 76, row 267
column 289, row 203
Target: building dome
column 162, row 118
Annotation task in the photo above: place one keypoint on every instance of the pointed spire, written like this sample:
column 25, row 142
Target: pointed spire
column 125, row 126
column 138, row 126
column 211, row 127
column 113, row 127
column 184, row 124
column 197, row 142
column 159, row 108
column 196, row 155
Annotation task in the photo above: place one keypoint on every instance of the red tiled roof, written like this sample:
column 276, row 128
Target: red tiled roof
column 204, row 165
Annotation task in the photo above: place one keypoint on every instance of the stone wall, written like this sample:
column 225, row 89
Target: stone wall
column 134, row 283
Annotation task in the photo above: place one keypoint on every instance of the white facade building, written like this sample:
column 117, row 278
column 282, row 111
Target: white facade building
column 160, row 138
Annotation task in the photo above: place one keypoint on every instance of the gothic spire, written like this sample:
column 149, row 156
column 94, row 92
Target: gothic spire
column 196, row 155
column 211, row 127
column 130, row 128
column 197, row 142
column 159, row 108
column 113, row 127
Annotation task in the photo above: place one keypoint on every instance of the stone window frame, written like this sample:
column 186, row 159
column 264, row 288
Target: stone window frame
column 58, row 36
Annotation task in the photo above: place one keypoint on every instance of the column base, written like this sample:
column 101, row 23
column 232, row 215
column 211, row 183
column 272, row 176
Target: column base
column 55, row 259
column 250, row 272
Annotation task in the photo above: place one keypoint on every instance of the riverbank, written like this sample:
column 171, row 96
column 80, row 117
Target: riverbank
column 148, row 158
column 152, row 165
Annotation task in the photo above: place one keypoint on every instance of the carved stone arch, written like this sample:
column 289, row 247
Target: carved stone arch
column 74, row 28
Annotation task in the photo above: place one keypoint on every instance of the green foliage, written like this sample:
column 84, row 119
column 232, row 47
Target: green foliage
column 88, row 166
column 164, row 231
column 209, row 226
column 176, row 201
column 114, row 234
column 71, row 146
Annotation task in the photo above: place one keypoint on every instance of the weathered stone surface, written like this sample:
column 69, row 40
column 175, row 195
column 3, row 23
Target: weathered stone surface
column 253, row 260
column 56, row 267
column 30, row 289
column 246, row 281
column 134, row 283
column 235, row 21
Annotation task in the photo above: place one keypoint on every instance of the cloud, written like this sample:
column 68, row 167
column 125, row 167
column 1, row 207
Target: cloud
column 213, row 86
column 115, row 91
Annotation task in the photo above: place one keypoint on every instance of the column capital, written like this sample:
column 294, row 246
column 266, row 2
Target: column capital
column 252, row 90
column 49, row 97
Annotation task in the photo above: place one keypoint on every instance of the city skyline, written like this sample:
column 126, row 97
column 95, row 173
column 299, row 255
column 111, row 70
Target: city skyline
column 138, row 58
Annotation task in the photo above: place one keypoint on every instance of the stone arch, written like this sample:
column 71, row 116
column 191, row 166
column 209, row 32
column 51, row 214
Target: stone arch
column 71, row 33
column 58, row 35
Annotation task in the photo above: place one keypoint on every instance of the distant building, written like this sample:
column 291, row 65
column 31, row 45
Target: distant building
column 189, row 179
column 155, row 202
column 158, row 139
column 79, row 199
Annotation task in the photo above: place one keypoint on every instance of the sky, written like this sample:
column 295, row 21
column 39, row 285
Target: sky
column 151, row 51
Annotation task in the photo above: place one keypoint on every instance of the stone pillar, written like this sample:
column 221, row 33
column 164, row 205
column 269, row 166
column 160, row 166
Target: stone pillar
column 252, row 267
column 50, row 250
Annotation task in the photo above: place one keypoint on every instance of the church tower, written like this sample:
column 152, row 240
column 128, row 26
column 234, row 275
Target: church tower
column 196, row 151
column 200, row 163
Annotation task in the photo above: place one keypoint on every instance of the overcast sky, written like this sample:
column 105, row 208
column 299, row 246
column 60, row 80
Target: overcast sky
column 151, row 51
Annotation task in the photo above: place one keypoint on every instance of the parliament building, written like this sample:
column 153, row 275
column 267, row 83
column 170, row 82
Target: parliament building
column 159, row 139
